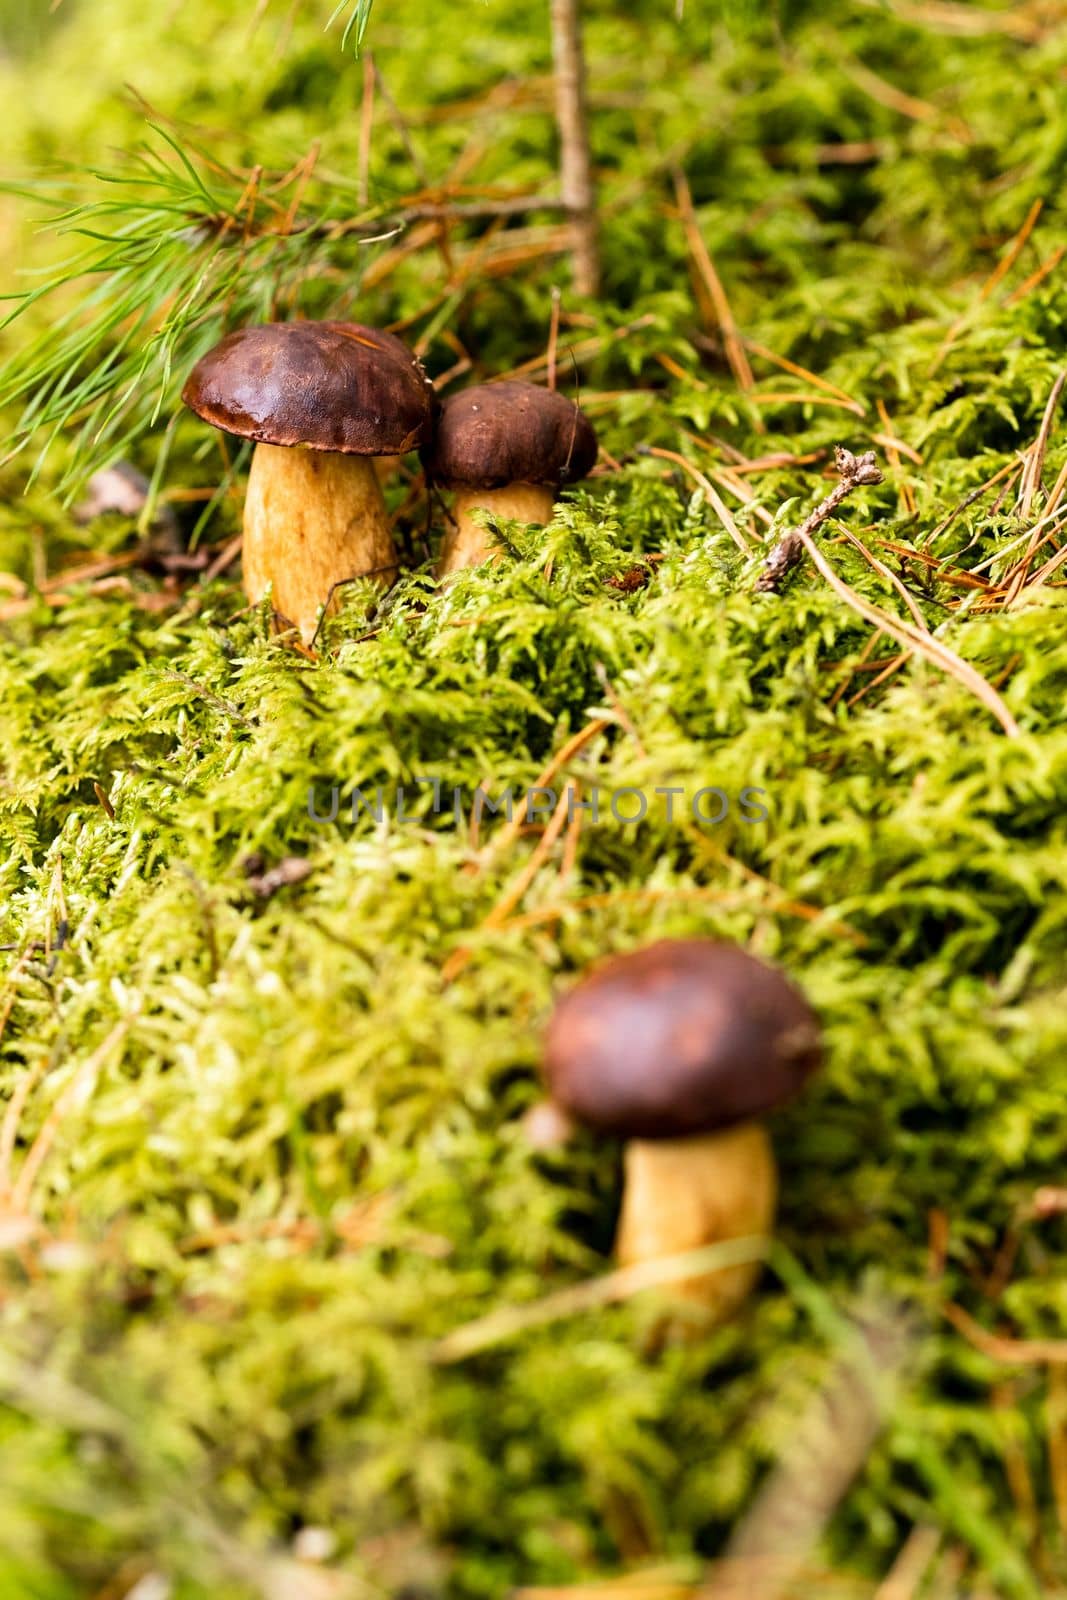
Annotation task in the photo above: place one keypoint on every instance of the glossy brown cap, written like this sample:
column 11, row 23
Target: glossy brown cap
column 326, row 385
column 680, row 1038
column 501, row 433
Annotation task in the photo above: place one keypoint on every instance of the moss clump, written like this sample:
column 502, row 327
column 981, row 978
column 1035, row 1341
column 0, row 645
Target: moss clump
column 288, row 1158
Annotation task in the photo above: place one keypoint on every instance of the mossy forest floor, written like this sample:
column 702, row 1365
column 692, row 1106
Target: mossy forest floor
column 260, row 1156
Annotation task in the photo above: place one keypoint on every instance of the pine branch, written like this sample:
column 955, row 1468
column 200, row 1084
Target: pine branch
column 174, row 248
column 357, row 21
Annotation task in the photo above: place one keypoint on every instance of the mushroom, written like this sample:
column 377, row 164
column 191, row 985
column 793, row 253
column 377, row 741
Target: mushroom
column 506, row 448
column 321, row 400
column 679, row 1049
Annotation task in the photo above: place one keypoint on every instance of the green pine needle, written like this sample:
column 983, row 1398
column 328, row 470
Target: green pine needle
column 170, row 251
column 359, row 16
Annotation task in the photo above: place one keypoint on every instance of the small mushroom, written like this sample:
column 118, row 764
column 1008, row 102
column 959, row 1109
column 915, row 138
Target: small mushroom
column 506, row 448
column 321, row 400
column 680, row 1049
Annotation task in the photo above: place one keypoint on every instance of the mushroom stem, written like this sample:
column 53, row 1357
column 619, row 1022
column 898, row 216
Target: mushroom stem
column 313, row 518
column 467, row 542
column 387, row 467
column 683, row 1194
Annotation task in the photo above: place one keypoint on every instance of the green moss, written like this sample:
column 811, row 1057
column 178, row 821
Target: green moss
column 301, row 1164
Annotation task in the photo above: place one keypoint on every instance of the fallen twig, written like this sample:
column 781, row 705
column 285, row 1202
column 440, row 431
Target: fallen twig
column 576, row 165
column 854, row 471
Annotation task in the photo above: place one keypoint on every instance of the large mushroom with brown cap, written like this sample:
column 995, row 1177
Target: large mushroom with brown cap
column 321, row 400
column 680, row 1049
column 506, row 448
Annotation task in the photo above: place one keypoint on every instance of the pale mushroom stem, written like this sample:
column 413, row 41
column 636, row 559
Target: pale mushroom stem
column 684, row 1194
column 387, row 467
column 312, row 519
column 467, row 542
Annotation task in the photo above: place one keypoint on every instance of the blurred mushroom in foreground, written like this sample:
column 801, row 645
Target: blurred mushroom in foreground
column 121, row 490
column 680, row 1049
column 321, row 400
column 506, row 448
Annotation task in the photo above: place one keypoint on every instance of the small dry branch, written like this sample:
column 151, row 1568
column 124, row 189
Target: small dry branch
column 576, row 162
column 853, row 471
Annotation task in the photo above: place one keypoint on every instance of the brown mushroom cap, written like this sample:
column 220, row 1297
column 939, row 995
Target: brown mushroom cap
column 681, row 1038
column 500, row 433
column 326, row 385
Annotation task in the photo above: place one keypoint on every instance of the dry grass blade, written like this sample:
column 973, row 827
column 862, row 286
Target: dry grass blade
column 229, row 552
column 1000, row 271
column 619, row 709
column 908, row 105
column 798, row 371
column 1049, row 524
column 12, row 985
column 924, row 644
column 747, row 1580
column 1052, row 505
column 76, row 1093
column 773, row 463
column 969, row 21
column 911, row 1565
column 571, row 842
column 733, row 898
column 1008, row 470
column 1005, row 1400
column 890, row 577
column 889, row 441
column 714, row 499
column 720, row 305
column 1011, row 1352
column 891, row 666
column 510, row 832
column 519, row 885
column 510, row 1321
column 1035, row 460
column 676, row 370
column 631, row 1586
column 862, row 664
column 1052, row 525
column 893, row 451
column 1038, row 276
column 10, row 1126
column 795, row 397
column 584, row 350
column 1056, row 1424
column 1043, row 574
column 727, row 477
column 735, row 1581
